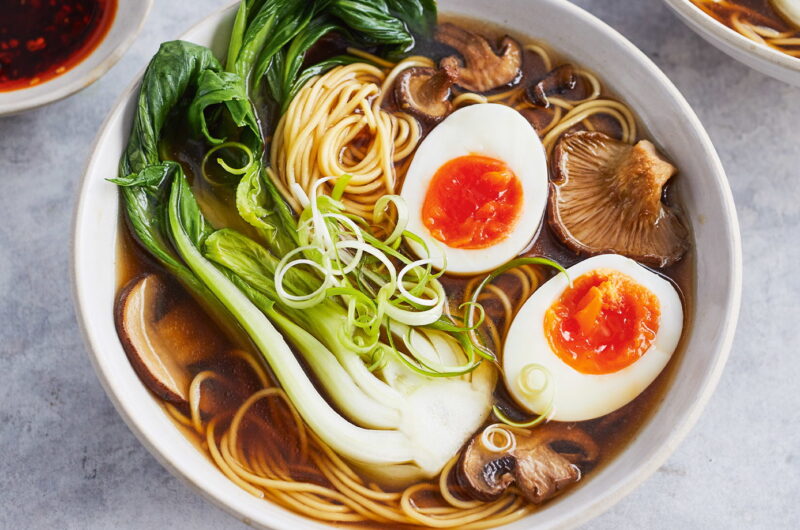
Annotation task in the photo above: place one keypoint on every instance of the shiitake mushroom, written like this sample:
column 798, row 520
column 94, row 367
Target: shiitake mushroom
column 425, row 92
column 156, row 339
column 482, row 68
column 557, row 81
column 541, row 463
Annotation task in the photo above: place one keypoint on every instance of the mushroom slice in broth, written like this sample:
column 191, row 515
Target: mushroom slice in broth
column 607, row 197
column 558, row 81
column 160, row 346
column 425, row 92
column 541, row 463
column 483, row 69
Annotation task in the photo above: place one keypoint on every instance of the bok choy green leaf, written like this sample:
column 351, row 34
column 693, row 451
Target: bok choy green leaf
column 271, row 38
column 419, row 15
column 179, row 71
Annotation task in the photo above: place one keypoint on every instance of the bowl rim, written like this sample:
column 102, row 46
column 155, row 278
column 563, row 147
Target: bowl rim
column 733, row 38
column 621, row 487
column 79, row 83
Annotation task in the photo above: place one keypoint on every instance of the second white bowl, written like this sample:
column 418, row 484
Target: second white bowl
column 757, row 56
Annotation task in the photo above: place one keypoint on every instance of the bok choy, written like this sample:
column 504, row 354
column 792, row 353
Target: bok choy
column 401, row 385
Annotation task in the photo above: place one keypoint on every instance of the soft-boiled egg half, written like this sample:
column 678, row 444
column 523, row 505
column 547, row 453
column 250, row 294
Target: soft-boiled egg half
column 477, row 189
column 580, row 351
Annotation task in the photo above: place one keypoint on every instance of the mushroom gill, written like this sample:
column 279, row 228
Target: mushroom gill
column 483, row 69
column 425, row 92
column 541, row 463
column 607, row 197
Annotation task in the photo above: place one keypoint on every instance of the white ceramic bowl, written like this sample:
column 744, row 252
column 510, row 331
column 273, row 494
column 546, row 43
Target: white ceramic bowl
column 128, row 20
column 663, row 110
column 757, row 56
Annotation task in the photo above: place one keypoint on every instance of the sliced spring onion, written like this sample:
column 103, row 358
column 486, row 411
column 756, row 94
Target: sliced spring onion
column 301, row 301
column 519, row 262
column 378, row 359
column 357, row 298
column 419, row 241
column 372, row 251
column 409, row 363
column 340, row 186
column 425, row 302
column 419, row 318
column 299, row 194
column 352, row 261
column 379, row 214
column 508, row 443
column 321, row 235
column 224, row 165
column 355, row 264
column 533, row 380
column 361, row 333
column 521, row 425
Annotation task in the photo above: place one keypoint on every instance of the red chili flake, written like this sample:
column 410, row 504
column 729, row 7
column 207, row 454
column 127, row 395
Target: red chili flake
column 55, row 35
column 36, row 45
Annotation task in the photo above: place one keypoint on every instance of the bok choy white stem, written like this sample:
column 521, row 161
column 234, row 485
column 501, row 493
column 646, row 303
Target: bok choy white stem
column 363, row 445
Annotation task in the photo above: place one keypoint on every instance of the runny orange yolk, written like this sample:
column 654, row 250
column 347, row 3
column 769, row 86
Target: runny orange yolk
column 603, row 323
column 472, row 202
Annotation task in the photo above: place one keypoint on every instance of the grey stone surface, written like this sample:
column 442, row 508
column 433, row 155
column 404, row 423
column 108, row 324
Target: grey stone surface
column 68, row 461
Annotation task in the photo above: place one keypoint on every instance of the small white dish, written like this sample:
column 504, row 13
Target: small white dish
column 127, row 23
column 628, row 72
column 757, row 56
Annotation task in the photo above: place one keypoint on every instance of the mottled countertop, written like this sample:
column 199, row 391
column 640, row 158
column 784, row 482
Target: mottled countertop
column 68, row 461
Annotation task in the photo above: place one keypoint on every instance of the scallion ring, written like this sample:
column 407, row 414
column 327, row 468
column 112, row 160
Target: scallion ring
column 237, row 171
column 508, row 440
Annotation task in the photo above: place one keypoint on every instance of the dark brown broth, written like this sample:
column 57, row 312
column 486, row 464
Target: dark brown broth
column 759, row 12
column 612, row 432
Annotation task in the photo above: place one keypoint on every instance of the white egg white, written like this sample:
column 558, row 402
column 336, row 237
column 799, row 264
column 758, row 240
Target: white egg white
column 576, row 396
column 490, row 130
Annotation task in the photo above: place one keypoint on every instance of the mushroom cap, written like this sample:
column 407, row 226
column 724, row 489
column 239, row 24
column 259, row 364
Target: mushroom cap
column 551, row 459
column 607, row 198
column 483, row 69
column 156, row 339
column 425, row 92
column 557, row 81
column 485, row 478
column 541, row 463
